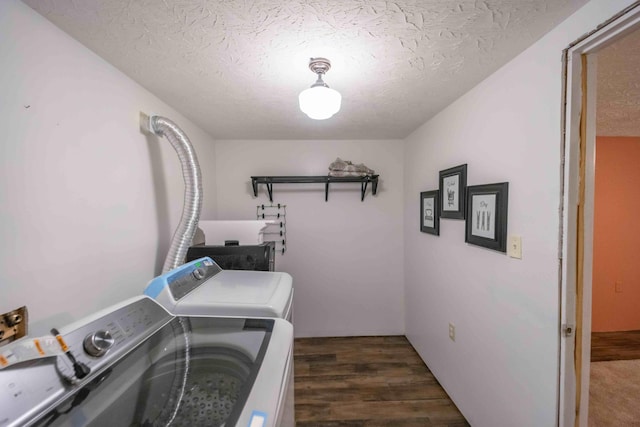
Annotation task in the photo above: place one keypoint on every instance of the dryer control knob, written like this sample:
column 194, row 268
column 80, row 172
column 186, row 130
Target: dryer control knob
column 98, row 343
column 199, row 273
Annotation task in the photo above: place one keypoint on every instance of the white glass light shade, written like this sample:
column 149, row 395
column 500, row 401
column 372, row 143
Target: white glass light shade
column 320, row 102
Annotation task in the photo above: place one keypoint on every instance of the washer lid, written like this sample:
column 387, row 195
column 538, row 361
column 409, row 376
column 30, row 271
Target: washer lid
column 239, row 293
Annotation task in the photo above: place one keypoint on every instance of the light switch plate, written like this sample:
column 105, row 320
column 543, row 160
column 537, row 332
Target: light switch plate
column 514, row 247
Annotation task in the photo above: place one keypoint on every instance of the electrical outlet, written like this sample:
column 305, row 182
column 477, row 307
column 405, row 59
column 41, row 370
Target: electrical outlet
column 452, row 332
column 13, row 325
column 618, row 287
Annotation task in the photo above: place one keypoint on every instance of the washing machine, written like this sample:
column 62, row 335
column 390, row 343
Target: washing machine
column 137, row 364
column 201, row 287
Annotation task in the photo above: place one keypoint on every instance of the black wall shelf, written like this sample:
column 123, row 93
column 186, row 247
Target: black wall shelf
column 325, row 179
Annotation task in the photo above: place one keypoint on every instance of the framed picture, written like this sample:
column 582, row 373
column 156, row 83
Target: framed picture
column 429, row 212
column 453, row 183
column 487, row 215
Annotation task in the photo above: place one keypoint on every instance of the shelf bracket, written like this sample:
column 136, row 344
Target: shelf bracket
column 270, row 190
column 254, row 184
column 363, row 186
column 326, row 191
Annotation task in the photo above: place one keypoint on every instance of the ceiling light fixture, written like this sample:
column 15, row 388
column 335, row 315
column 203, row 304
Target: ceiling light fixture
column 320, row 101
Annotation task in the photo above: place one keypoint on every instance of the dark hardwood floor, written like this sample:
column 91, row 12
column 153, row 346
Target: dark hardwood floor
column 615, row 346
column 367, row 381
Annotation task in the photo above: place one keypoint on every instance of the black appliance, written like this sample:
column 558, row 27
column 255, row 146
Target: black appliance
column 259, row 257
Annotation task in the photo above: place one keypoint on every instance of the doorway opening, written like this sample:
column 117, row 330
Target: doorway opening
column 581, row 126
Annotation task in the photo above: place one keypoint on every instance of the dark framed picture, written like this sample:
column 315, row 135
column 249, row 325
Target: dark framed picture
column 453, row 183
column 429, row 212
column 487, row 207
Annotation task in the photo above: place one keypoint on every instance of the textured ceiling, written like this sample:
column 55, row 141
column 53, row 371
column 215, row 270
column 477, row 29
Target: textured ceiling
column 618, row 99
column 236, row 67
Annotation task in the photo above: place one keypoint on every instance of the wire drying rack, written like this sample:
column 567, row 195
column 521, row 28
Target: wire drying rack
column 277, row 231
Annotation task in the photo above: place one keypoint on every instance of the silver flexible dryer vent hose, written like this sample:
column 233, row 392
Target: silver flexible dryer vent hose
column 183, row 236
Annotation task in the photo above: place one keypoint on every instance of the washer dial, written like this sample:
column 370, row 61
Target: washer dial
column 97, row 343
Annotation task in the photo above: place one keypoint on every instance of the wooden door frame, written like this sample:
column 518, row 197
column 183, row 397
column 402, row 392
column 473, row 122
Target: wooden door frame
column 577, row 192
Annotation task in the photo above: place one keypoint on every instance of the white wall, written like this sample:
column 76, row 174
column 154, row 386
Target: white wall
column 88, row 204
column 345, row 255
column 502, row 369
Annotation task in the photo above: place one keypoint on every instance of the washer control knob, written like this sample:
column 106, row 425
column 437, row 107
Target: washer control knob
column 199, row 273
column 98, row 343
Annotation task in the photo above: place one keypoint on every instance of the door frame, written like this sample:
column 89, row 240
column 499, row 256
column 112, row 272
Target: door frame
column 577, row 192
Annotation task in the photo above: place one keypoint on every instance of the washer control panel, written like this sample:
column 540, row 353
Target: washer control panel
column 28, row 389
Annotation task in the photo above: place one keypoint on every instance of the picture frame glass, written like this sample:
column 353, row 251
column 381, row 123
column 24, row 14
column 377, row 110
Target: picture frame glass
column 451, row 188
column 429, row 212
column 483, row 215
column 487, row 211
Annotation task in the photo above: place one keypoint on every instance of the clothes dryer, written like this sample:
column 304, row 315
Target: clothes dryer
column 202, row 288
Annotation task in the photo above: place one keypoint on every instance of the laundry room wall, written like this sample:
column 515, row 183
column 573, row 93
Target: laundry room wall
column 345, row 255
column 502, row 369
column 88, row 204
